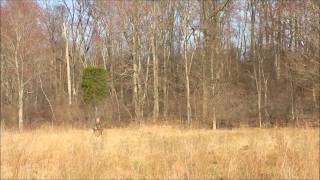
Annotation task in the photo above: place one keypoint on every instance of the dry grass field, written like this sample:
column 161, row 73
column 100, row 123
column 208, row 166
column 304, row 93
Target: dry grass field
column 161, row 152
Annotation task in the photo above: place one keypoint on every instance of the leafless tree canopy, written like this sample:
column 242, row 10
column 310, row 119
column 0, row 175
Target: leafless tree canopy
column 213, row 63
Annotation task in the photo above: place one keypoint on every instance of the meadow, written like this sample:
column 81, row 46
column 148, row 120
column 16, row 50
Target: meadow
column 161, row 152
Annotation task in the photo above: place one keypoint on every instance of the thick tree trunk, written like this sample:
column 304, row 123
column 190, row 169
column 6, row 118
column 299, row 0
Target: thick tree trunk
column 168, row 54
column 19, row 75
column 68, row 64
column 204, row 55
column 213, row 86
column 136, row 70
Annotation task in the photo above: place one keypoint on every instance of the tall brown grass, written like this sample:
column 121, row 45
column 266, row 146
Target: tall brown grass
column 161, row 152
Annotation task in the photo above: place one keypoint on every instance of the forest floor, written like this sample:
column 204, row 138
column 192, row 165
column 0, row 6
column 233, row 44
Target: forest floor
column 161, row 152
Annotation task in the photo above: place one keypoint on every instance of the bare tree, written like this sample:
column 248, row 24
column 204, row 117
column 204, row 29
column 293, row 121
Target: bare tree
column 20, row 36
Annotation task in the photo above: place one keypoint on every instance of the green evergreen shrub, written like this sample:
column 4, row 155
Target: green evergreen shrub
column 93, row 84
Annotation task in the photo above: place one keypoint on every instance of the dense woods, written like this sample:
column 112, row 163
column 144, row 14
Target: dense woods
column 215, row 63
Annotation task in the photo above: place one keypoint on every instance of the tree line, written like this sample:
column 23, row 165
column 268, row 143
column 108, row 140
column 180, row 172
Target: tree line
column 211, row 63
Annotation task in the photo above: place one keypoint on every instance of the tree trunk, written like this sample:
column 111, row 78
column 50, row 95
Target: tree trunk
column 141, row 100
column 68, row 63
column 188, row 98
column 165, row 81
column 256, row 62
column 278, row 45
column 266, row 97
column 213, row 86
column 214, row 119
column 20, row 106
column 258, row 82
column 204, row 97
column 204, row 56
column 314, row 96
column 292, row 96
column 136, row 94
column 214, row 62
column 186, row 68
column 135, row 87
column 259, row 109
column 168, row 54
column 19, row 67
column 155, row 69
column 48, row 100
column 5, row 84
